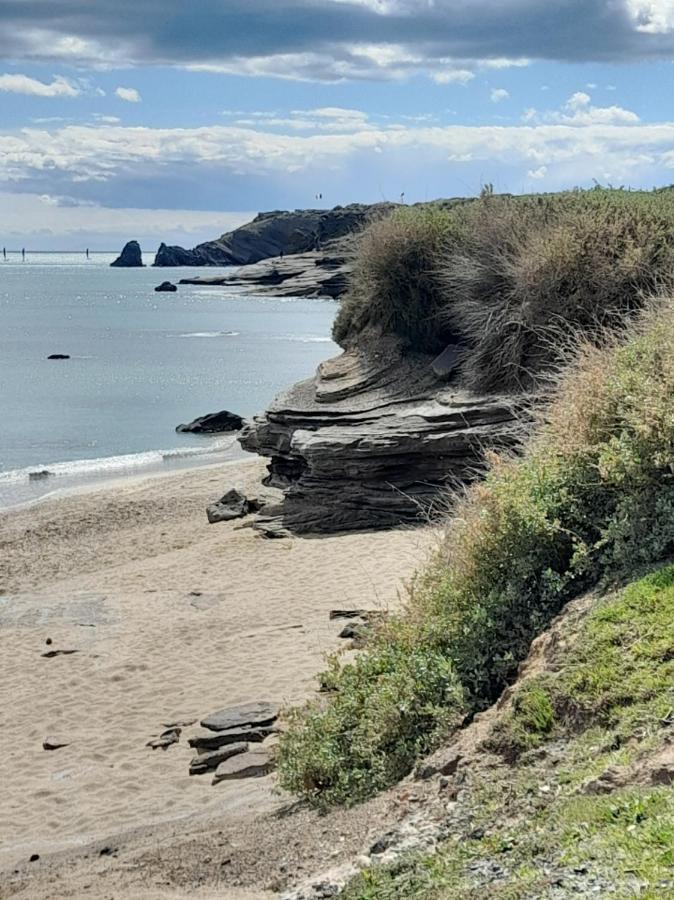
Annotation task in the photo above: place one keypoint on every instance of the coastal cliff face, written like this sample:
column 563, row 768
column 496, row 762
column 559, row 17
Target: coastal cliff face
column 274, row 233
column 372, row 441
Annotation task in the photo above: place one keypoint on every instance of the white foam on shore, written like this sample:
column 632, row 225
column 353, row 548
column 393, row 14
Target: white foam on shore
column 209, row 334
column 18, row 489
column 108, row 465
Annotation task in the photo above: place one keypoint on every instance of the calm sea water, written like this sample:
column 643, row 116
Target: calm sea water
column 141, row 363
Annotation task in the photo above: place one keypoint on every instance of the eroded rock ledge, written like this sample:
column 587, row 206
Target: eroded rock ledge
column 323, row 273
column 372, row 441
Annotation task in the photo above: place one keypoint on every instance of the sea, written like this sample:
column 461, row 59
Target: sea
column 140, row 364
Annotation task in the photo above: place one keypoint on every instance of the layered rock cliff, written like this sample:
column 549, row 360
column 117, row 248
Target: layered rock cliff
column 373, row 441
column 274, row 234
column 323, row 273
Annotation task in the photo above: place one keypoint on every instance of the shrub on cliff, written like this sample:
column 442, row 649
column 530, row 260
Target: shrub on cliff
column 512, row 278
column 395, row 285
column 591, row 499
column 531, row 272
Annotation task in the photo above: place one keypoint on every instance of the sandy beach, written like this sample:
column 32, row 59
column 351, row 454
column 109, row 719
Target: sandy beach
column 171, row 618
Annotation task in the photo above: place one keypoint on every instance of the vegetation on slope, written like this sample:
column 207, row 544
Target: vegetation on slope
column 540, row 826
column 590, row 500
column 510, row 278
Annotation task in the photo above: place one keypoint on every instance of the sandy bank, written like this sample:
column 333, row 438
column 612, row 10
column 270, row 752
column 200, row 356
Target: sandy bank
column 172, row 618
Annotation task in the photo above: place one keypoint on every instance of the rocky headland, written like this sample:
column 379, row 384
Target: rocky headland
column 275, row 233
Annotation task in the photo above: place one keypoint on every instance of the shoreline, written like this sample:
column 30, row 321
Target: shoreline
column 232, row 454
column 171, row 618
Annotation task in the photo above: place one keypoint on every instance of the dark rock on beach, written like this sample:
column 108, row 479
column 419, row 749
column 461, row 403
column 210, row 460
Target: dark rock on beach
column 274, row 234
column 212, row 740
column 213, row 423
column 166, row 739
column 373, row 440
column 130, row 257
column 54, row 743
column 166, row 286
column 233, row 505
column 260, row 713
column 39, row 475
column 253, row 764
column 205, row 762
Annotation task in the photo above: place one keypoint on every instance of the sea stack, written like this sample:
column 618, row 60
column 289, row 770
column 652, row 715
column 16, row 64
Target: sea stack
column 130, row 257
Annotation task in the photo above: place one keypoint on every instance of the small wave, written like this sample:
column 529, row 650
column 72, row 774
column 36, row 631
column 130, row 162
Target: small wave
column 109, row 465
column 209, row 334
column 303, row 338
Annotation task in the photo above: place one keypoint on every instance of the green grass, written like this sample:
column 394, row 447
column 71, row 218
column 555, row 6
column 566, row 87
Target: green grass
column 591, row 500
column 625, row 841
column 619, row 675
column 606, row 702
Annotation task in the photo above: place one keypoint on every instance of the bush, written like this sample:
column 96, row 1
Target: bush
column 388, row 708
column 591, row 499
column 395, row 285
column 513, row 279
column 531, row 273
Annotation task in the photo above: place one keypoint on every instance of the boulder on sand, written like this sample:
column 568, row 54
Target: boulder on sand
column 166, row 286
column 233, row 505
column 130, row 257
column 213, row 423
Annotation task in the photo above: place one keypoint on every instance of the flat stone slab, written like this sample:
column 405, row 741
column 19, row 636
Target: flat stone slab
column 260, row 713
column 253, row 764
column 205, row 762
column 207, row 741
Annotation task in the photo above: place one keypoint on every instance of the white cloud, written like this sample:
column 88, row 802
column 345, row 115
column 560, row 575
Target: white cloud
column 499, row 94
column 107, row 120
column 652, row 16
column 131, row 95
column 76, row 154
column 453, row 76
column 538, row 173
column 579, row 100
column 579, row 111
column 385, row 61
column 22, row 84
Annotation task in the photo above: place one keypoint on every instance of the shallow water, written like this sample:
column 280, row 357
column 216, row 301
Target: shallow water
column 141, row 363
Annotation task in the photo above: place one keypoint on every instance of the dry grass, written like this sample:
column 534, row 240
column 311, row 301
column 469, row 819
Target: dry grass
column 514, row 279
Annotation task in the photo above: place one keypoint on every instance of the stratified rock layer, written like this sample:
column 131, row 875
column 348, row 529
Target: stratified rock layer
column 318, row 274
column 372, row 441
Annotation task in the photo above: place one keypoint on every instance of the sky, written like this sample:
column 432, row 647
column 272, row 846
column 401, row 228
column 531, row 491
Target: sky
column 164, row 120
